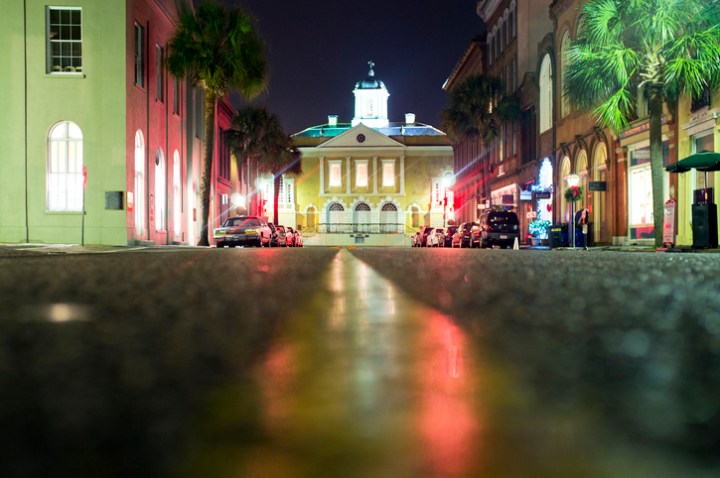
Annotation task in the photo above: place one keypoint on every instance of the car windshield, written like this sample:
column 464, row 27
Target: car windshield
column 242, row 222
column 503, row 219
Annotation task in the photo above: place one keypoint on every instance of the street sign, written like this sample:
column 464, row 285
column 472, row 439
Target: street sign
column 542, row 195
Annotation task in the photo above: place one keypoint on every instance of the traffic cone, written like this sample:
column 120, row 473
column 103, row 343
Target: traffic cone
column 516, row 244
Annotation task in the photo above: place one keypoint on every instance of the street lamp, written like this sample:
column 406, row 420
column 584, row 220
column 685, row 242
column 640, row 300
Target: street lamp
column 448, row 181
column 572, row 181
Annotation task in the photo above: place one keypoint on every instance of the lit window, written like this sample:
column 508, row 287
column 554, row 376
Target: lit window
column 335, row 174
column 388, row 173
column 361, row 174
column 64, row 168
column 64, row 39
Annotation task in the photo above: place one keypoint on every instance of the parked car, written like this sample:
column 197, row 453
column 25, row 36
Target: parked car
column 298, row 239
column 424, row 233
column 243, row 231
column 281, row 235
column 436, row 238
column 290, row 238
column 499, row 228
column 416, row 239
column 470, row 234
column 449, row 234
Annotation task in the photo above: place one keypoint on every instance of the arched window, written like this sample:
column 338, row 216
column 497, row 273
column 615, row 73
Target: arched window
column 177, row 195
column 389, row 218
column 546, row 94
column 361, row 218
column 139, row 184
column 599, row 206
column 335, row 217
column 64, row 168
column 160, row 191
column 564, row 46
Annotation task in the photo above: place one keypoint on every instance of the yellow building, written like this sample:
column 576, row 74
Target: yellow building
column 371, row 181
column 698, row 123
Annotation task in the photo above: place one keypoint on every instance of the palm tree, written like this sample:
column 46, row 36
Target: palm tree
column 218, row 49
column 257, row 137
column 659, row 49
column 476, row 109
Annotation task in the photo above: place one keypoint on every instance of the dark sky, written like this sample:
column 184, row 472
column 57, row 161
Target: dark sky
column 318, row 50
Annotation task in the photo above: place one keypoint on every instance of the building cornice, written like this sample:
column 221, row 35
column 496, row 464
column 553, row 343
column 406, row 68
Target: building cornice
column 485, row 8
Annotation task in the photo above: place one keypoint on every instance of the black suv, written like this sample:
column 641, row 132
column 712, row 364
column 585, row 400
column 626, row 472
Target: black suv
column 499, row 227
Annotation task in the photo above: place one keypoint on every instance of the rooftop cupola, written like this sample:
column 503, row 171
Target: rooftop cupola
column 371, row 99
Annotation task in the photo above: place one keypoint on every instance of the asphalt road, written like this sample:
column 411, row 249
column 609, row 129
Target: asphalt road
column 404, row 363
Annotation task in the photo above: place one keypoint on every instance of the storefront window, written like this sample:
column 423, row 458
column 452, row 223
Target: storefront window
column 640, row 195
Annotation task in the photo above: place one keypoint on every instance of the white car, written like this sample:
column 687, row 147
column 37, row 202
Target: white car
column 436, row 238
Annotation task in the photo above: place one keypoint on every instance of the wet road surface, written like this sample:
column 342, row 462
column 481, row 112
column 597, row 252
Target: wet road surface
column 360, row 363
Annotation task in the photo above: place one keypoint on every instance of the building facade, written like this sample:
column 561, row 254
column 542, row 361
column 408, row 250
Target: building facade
column 505, row 172
column 371, row 181
column 99, row 150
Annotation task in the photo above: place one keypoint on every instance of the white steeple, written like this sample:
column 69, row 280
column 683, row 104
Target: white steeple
column 371, row 99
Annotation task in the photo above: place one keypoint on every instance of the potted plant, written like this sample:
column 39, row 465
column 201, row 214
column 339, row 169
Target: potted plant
column 538, row 231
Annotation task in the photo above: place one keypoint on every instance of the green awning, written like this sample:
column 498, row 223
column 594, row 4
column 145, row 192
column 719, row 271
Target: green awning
column 702, row 161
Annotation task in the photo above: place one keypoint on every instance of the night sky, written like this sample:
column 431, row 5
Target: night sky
column 318, row 50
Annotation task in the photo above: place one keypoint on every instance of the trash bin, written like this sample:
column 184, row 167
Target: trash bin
column 558, row 235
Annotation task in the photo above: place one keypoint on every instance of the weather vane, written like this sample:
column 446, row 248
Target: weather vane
column 372, row 65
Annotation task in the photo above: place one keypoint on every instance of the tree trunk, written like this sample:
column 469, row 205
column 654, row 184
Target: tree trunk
column 208, row 146
column 276, row 195
column 656, row 162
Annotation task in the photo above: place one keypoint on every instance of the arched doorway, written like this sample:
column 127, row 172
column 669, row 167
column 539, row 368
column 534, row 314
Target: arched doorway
column 565, row 211
column 581, row 169
column 361, row 218
column 311, row 218
column 601, row 229
column 389, row 218
column 335, row 216
column 160, row 191
column 139, row 186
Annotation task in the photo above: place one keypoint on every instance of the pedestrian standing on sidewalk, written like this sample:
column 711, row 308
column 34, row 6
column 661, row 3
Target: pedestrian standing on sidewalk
column 583, row 220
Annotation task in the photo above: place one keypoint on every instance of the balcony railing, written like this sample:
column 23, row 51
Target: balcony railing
column 361, row 228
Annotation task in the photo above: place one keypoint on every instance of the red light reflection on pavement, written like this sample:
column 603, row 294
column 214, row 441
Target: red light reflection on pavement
column 448, row 420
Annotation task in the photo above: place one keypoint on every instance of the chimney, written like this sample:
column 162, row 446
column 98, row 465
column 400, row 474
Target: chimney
column 332, row 121
column 409, row 118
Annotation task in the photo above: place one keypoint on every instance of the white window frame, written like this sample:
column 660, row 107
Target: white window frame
column 64, row 40
column 335, row 173
column 64, row 168
column 388, row 173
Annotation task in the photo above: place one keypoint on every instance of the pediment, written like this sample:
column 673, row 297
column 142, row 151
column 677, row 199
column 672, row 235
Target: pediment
column 361, row 136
